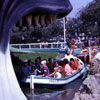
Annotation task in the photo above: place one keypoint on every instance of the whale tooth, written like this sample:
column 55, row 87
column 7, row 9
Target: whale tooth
column 42, row 20
column 14, row 28
column 29, row 21
column 54, row 18
column 20, row 24
column 50, row 19
column 36, row 20
column 47, row 20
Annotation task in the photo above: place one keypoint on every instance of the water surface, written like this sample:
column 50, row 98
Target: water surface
column 65, row 93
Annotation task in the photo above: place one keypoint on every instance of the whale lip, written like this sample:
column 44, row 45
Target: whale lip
column 60, row 11
column 61, row 8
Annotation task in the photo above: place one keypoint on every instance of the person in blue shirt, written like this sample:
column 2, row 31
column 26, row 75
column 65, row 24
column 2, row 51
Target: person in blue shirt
column 38, row 66
column 33, row 70
column 29, row 64
column 68, row 49
column 25, row 69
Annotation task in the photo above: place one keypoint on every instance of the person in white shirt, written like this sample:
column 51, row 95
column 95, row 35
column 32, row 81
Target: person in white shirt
column 56, row 73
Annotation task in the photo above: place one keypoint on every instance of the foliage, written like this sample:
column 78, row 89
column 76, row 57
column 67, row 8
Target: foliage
column 88, row 20
column 38, row 33
column 46, row 33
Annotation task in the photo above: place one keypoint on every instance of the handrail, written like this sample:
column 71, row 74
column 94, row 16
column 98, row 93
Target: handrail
column 38, row 45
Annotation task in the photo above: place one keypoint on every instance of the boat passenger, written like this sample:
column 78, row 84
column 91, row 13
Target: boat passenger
column 39, row 58
column 29, row 64
column 33, row 70
column 68, row 69
column 50, row 65
column 74, row 64
column 56, row 73
column 45, row 68
column 69, row 51
column 39, row 67
column 25, row 69
column 61, row 69
column 54, row 63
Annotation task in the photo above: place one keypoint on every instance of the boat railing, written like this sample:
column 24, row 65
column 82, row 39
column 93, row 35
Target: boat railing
column 38, row 45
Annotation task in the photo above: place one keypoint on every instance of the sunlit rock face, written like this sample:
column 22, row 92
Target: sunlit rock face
column 34, row 12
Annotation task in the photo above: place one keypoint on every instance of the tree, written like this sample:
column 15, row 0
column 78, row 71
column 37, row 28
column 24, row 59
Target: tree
column 91, row 16
column 87, row 21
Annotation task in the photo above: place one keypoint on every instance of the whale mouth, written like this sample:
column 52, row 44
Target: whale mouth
column 37, row 13
column 44, row 15
column 37, row 20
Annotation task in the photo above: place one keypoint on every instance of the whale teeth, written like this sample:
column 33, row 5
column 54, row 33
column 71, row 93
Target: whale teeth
column 36, row 20
column 29, row 21
column 54, row 18
column 42, row 20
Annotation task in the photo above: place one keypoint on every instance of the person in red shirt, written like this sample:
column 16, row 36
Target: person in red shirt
column 74, row 64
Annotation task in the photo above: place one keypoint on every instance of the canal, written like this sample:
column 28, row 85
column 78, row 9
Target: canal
column 65, row 93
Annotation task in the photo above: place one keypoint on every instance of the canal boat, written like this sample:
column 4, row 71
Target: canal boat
column 48, row 82
column 80, row 52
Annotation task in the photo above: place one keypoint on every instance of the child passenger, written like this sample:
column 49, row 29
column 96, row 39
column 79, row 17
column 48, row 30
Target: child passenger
column 33, row 71
column 60, row 68
column 56, row 73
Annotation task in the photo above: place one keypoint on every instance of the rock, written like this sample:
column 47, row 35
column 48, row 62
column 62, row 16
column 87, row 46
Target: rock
column 93, row 83
column 97, row 56
column 83, row 96
column 95, row 67
column 91, row 88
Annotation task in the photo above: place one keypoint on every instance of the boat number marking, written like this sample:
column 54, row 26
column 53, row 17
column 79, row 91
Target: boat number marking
column 56, row 81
